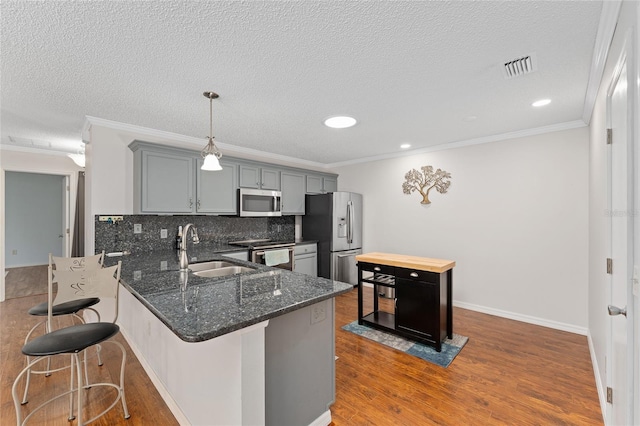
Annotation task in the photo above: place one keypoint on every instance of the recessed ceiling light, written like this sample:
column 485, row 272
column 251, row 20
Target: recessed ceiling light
column 541, row 102
column 470, row 118
column 340, row 122
column 405, row 146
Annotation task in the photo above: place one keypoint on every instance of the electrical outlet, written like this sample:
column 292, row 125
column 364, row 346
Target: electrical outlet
column 137, row 228
column 318, row 313
column 163, row 233
column 163, row 265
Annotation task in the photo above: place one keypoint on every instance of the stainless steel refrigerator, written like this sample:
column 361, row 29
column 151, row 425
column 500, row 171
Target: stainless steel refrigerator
column 335, row 221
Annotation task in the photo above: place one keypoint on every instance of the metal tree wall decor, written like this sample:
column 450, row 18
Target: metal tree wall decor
column 425, row 181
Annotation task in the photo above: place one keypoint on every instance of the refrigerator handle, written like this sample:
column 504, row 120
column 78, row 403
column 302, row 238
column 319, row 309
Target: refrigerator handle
column 349, row 222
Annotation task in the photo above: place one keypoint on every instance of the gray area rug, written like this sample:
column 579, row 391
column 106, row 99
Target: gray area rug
column 450, row 347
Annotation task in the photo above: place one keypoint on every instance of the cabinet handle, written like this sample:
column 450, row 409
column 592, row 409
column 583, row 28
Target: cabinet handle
column 376, row 268
column 190, row 202
column 414, row 274
column 198, row 204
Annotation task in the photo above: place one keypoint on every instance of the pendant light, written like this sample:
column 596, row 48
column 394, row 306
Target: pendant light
column 210, row 152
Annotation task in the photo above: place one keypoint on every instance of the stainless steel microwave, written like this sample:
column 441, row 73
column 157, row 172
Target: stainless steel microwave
column 259, row 202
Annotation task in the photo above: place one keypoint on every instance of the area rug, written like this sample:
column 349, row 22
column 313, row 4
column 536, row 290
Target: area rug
column 450, row 347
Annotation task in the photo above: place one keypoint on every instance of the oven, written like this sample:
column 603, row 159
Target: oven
column 279, row 254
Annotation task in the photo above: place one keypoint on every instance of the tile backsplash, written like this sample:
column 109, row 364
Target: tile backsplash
column 120, row 236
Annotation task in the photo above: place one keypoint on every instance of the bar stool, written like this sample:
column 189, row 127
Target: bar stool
column 75, row 340
column 70, row 299
column 67, row 304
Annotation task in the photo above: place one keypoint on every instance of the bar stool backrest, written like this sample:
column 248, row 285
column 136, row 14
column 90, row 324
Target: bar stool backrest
column 77, row 263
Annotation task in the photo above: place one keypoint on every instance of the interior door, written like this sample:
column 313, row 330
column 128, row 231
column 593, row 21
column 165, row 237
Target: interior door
column 619, row 369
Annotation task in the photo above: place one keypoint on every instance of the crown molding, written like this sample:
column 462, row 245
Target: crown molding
column 159, row 136
column 31, row 150
column 469, row 142
column 606, row 30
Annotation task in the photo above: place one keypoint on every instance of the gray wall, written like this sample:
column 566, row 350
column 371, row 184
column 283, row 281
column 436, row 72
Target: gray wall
column 33, row 218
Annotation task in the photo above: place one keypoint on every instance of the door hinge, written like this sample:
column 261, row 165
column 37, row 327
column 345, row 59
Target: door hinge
column 609, row 136
column 609, row 395
column 609, row 265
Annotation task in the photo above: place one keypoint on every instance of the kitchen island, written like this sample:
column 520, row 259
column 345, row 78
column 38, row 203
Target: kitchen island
column 252, row 348
column 423, row 295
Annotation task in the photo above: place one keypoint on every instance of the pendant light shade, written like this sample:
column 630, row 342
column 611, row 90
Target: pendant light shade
column 210, row 152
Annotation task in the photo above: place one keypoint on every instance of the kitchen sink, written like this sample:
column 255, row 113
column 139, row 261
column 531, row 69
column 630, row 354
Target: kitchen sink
column 223, row 271
column 216, row 264
column 218, row 268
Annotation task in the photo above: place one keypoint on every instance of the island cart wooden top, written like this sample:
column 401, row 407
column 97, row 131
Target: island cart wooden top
column 410, row 262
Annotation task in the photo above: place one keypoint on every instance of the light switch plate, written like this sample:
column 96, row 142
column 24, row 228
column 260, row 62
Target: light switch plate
column 137, row 228
column 163, row 265
column 163, row 233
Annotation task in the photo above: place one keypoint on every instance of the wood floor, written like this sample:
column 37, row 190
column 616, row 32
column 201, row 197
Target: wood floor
column 509, row 373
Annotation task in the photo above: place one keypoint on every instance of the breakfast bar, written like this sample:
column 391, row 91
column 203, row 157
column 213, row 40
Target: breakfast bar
column 423, row 295
column 256, row 347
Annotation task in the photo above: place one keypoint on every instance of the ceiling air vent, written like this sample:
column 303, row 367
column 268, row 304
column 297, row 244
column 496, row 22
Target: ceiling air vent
column 520, row 66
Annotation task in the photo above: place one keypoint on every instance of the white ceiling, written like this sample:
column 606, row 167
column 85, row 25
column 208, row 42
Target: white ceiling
column 409, row 72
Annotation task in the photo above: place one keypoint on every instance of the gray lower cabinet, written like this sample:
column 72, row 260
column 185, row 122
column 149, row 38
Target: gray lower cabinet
column 166, row 183
column 293, row 192
column 321, row 184
column 259, row 177
column 217, row 191
column 306, row 259
column 300, row 365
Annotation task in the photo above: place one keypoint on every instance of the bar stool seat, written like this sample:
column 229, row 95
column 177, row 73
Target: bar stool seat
column 71, row 339
column 66, row 308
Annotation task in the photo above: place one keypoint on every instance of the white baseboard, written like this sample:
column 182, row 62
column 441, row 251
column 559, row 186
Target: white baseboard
column 166, row 396
column 602, row 394
column 523, row 318
column 323, row 420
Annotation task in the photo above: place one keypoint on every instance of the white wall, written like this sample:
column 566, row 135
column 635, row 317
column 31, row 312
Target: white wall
column 514, row 220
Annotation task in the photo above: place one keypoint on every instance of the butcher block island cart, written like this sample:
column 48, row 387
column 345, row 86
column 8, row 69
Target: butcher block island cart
column 423, row 310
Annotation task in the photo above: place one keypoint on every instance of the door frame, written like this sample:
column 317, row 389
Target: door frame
column 70, row 185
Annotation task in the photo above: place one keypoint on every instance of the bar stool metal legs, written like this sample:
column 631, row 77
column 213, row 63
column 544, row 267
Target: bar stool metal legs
column 73, row 340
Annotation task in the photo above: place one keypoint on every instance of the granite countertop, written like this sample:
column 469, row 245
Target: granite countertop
column 211, row 307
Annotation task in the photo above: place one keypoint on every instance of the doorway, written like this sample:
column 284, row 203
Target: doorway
column 36, row 211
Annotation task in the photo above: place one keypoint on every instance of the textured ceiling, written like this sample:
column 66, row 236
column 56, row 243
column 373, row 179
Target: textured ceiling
column 409, row 72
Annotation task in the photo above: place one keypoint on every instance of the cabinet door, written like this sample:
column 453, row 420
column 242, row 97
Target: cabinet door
column 314, row 184
column 249, row 176
column 293, row 191
column 306, row 264
column 270, row 179
column 417, row 307
column 167, row 183
column 217, row 191
column 329, row 185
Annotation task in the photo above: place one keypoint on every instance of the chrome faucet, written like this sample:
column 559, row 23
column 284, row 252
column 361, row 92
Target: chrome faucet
column 184, row 259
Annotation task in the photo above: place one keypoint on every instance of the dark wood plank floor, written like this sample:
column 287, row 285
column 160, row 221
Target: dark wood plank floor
column 509, row 373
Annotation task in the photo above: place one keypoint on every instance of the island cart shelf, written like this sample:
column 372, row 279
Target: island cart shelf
column 423, row 310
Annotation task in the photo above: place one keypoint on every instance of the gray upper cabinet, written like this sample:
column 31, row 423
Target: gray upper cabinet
column 165, row 183
column 168, row 180
column 217, row 192
column 253, row 176
column 293, row 191
column 317, row 184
